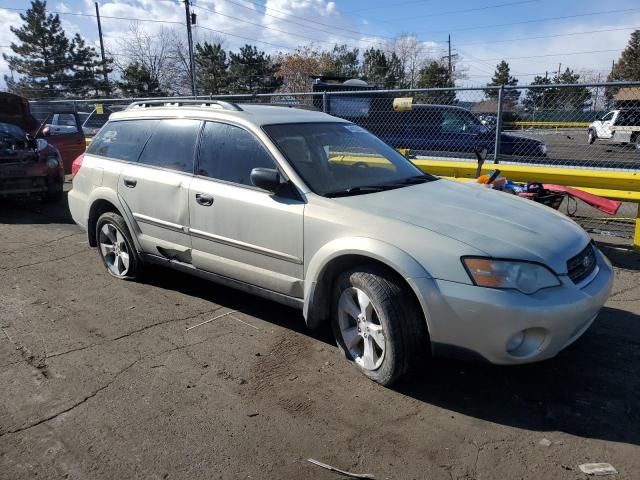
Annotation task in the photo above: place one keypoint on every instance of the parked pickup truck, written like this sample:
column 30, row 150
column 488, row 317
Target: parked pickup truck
column 620, row 126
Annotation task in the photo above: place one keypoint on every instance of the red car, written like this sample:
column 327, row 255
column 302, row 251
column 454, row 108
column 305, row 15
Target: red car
column 28, row 165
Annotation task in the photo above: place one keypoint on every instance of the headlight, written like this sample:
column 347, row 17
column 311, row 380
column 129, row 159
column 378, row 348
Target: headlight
column 523, row 276
column 42, row 144
column 52, row 162
column 543, row 149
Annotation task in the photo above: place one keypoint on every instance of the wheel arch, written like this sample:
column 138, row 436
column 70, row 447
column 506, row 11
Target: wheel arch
column 105, row 200
column 340, row 255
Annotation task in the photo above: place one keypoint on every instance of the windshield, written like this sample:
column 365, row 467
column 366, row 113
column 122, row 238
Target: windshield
column 12, row 130
column 334, row 158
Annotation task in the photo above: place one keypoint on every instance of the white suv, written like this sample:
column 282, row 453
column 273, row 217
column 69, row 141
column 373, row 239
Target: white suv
column 315, row 212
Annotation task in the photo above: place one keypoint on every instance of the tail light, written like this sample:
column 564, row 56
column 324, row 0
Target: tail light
column 77, row 163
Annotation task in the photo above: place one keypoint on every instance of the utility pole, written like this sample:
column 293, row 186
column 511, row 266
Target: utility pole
column 104, row 61
column 192, row 65
column 449, row 56
column 559, row 68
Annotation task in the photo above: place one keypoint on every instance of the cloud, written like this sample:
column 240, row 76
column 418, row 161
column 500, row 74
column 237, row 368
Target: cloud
column 6, row 38
column 545, row 54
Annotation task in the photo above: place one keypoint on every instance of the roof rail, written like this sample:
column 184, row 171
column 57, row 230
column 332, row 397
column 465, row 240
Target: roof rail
column 180, row 103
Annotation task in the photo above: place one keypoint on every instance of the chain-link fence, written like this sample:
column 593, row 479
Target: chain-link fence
column 593, row 126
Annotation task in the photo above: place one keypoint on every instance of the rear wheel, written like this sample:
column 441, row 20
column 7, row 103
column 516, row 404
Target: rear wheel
column 116, row 247
column 377, row 323
column 591, row 136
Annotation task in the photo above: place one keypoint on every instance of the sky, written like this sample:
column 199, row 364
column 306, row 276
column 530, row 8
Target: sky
column 534, row 36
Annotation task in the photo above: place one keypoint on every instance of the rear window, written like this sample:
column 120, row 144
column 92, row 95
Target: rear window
column 123, row 140
column 172, row 145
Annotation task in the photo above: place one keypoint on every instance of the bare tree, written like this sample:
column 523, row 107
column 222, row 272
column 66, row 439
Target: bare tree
column 413, row 56
column 157, row 53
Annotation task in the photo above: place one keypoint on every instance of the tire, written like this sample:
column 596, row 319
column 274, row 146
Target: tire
column 116, row 248
column 393, row 319
column 591, row 136
column 637, row 142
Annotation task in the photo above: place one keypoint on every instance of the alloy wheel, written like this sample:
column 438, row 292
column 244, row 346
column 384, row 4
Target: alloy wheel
column 114, row 250
column 360, row 328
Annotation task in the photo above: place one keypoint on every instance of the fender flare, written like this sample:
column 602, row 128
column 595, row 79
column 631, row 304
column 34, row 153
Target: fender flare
column 107, row 194
column 393, row 257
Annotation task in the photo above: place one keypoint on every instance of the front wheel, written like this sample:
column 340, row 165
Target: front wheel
column 116, row 247
column 591, row 136
column 377, row 323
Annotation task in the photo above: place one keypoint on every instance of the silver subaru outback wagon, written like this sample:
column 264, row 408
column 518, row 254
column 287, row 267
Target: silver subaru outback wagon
column 315, row 212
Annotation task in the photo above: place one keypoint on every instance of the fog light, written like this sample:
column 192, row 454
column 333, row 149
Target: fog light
column 52, row 162
column 515, row 342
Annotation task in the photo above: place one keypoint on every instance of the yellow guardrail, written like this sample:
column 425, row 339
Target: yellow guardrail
column 621, row 186
column 547, row 124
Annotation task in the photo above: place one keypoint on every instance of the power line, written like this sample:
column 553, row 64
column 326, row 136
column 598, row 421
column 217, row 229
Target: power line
column 465, row 10
column 509, row 40
column 264, row 26
column 312, row 21
column 551, row 55
column 540, row 20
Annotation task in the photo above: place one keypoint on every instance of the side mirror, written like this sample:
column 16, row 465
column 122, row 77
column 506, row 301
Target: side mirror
column 46, row 131
column 266, row 178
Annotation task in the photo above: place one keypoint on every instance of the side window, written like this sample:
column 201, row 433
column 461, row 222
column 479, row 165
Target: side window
column 123, row 140
column 453, row 122
column 63, row 123
column 608, row 117
column 172, row 145
column 230, row 153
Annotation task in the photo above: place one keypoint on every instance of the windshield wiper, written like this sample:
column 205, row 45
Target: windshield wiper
column 416, row 179
column 360, row 190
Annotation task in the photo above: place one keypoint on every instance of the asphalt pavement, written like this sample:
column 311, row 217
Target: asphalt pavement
column 103, row 379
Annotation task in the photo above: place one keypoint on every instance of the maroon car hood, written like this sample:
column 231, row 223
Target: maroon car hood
column 15, row 110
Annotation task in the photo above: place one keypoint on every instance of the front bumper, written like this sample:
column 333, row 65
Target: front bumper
column 485, row 321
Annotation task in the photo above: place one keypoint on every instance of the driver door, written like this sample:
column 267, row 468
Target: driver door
column 238, row 230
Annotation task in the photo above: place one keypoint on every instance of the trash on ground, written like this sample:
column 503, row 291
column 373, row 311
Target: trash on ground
column 342, row 472
column 545, row 442
column 211, row 320
column 598, row 469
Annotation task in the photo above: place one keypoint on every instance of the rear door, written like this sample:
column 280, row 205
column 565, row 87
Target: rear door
column 66, row 135
column 603, row 128
column 155, row 189
column 237, row 229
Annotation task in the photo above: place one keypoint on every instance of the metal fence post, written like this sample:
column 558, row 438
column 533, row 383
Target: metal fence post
column 496, row 148
column 325, row 102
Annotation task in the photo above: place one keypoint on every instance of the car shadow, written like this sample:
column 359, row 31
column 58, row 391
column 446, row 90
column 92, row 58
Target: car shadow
column 28, row 210
column 233, row 299
column 591, row 389
column 621, row 256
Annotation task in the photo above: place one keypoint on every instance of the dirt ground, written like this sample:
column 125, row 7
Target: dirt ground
column 100, row 379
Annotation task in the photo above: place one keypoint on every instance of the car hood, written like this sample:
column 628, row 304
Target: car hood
column 497, row 223
column 508, row 138
column 15, row 110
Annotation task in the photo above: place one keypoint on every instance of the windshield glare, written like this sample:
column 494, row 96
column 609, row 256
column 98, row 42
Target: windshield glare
column 332, row 157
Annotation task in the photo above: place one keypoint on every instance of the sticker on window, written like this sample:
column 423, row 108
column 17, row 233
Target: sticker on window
column 355, row 129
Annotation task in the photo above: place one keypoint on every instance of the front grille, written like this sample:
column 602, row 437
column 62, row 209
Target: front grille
column 581, row 266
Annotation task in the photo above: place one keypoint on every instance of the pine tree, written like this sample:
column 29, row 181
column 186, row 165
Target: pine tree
column 211, row 60
column 137, row 81
column 535, row 97
column 343, row 62
column 502, row 76
column 41, row 58
column 571, row 98
column 628, row 65
column 375, row 68
column 86, row 68
column 436, row 75
column 252, row 71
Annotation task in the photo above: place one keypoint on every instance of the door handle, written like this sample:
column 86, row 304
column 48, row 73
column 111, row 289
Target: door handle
column 203, row 199
column 129, row 182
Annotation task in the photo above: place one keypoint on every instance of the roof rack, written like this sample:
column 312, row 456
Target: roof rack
column 182, row 103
